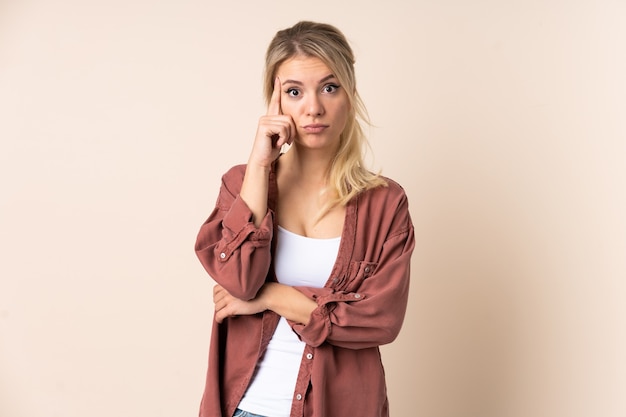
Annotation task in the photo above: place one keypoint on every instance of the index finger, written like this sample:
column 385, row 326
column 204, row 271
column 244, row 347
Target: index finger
column 274, row 106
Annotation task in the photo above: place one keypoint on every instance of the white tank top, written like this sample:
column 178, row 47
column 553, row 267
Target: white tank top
column 299, row 260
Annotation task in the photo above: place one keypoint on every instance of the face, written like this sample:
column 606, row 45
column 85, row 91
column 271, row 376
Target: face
column 317, row 103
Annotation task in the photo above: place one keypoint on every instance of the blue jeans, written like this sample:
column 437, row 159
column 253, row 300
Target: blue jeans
column 241, row 413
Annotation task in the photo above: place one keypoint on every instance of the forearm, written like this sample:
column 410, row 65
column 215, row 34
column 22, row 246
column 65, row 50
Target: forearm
column 254, row 191
column 365, row 315
column 287, row 302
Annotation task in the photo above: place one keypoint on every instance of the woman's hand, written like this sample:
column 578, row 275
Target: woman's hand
column 227, row 306
column 274, row 130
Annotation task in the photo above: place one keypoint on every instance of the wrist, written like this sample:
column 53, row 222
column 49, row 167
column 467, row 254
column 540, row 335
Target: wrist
column 258, row 166
column 267, row 295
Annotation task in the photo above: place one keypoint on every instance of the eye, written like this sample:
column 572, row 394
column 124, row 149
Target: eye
column 330, row 88
column 292, row 92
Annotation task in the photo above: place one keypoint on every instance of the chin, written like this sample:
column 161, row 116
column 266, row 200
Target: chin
column 315, row 142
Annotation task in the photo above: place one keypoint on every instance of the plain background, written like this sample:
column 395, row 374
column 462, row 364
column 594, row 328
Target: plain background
column 503, row 120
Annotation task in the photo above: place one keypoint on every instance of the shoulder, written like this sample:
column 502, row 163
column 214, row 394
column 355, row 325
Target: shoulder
column 393, row 186
column 385, row 208
column 231, row 183
column 234, row 175
column 235, row 172
column 392, row 193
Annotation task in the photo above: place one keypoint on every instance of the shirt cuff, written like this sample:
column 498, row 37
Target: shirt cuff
column 319, row 327
column 238, row 228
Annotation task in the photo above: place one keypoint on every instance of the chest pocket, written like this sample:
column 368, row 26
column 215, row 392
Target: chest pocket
column 357, row 273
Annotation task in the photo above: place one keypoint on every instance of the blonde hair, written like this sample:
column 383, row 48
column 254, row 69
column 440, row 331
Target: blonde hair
column 347, row 176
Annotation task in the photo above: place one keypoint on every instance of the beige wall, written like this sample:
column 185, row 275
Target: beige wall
column 503, row 120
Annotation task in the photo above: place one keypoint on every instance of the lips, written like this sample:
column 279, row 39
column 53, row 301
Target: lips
column 315, row 128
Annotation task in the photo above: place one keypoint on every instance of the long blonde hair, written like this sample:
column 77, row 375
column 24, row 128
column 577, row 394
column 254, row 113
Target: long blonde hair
column 347, row 176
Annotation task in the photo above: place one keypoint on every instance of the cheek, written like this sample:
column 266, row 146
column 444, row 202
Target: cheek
column 343, row 107
column 343, row 112
column 289, row 106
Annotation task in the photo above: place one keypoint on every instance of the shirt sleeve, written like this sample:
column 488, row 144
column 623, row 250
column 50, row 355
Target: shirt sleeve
column 235, row 252
column 370, row 313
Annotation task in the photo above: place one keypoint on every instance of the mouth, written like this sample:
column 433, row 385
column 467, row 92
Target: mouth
column 315, row 128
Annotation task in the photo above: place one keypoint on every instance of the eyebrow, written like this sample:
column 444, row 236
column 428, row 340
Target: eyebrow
column 326, row 78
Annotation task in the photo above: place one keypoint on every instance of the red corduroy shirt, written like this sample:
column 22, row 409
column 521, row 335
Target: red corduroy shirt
column 361, row 307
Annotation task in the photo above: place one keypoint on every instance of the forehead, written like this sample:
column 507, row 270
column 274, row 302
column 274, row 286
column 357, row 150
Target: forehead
column 302, row 68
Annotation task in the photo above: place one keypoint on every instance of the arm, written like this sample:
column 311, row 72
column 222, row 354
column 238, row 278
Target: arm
column 370, row 310
column 282, row 299
column 233, row 245
column 235, row 252
column 274, row 130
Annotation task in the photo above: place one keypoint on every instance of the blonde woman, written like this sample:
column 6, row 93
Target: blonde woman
column 310, row 250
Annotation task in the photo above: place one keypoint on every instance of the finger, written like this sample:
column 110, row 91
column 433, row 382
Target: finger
column 216, row 290
column 219, row 303
column 286, row 132
column 218, row 317
column 278, row 130
column 219, row 311
column 292, row 132
column 219, row 295
column 223, row 311
column 274, row 106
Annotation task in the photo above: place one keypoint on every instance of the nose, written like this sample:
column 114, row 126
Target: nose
column 314, row 106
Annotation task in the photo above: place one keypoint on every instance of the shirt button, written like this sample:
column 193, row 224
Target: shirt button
column 357, row 295
column 299, row 397
column 309, row 356
column 367, row 269
column 222, row 255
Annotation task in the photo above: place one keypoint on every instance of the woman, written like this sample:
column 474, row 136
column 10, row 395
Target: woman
column 310, row 250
